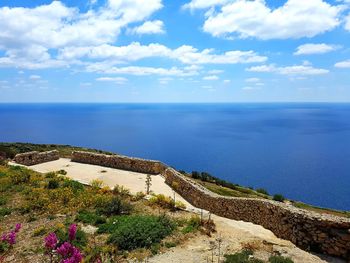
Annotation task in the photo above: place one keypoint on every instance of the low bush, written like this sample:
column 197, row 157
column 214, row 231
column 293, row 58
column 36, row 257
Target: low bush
column 278, row 197
column 53, row 184
column 163, row 201
column 74, row 185
column 3, row 200
column 62, row 172
column 192, row 225
column 139, row 231
column 40, row 231
column 63, row 235
column 121, row 190
column 4, row 211
column 90, row 218
column 280, row 259
column 116, row 206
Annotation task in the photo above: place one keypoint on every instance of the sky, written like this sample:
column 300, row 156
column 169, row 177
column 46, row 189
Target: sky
column 175, row 51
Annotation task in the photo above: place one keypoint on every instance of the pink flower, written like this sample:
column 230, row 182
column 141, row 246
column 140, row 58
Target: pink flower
column 69, row 253
column 72, row 232
column 11, row 239
column 65, row 249
column 51, row 241
column 18, row 228
column 4, row 237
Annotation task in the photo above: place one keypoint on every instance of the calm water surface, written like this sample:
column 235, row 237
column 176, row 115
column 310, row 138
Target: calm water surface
column 300, row 150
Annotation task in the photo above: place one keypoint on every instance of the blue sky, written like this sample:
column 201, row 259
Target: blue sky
column 175, row 51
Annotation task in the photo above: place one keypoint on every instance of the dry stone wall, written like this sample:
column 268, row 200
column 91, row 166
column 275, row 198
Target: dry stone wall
column 119, row 162
column 308, row 230
column 32, row 158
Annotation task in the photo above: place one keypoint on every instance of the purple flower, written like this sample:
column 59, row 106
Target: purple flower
column 65, row 249
column 51, row 241
column 11, row 239
column 4, row 238
column 72, row 232
column 18, row 228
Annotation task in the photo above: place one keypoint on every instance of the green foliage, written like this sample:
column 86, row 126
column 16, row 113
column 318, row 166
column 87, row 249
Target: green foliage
column 245, row 256
column 96, row 184
column 280, row 259
column 53, row 184
column 131, row 232
column 40, row 231
column 74, row 185
column 90, row 218
column 278, row 197
column 62, row 172
column 192, row 225
column 163, row 201
column 3, row 200
column 19, row 175
column 4, row 246
column 121, row 190
column 262, row 191
column 116, row 206
column 4, row 211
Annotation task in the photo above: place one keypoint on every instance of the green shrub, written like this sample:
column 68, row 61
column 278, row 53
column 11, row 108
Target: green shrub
column 40, row 231
column 19, row 175
column 280, row 259
column 278, row 197
column 121, row 190
column 62, row 172
column 4, row 246
column 131, row 232
column 53, row 184
column 3, row 200
column 74, row 185
column 262, row 191
column 163, row 201
column 90, row 218
column 115, row 207
column 192, row 225
column 5, row 211
column 244, row 256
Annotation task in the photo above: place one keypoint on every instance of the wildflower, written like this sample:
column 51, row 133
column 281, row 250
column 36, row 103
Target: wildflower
column 18, row 227
column 11, row 239
column 4, row 238
column 65, row 249
column 51, row 241
column 72, row 232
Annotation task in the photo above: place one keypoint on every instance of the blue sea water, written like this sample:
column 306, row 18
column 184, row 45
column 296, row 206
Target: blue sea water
column 299, row 150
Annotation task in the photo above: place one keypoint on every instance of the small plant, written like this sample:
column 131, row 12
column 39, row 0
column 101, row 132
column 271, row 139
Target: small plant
column 121, row 190
column 62, row 172
column 163, row 201
column 39, row 231
column 8, row 240
column 115, row 207
column 280, row 259
column 148, row 183
column 192, row 225
column 53, row 184
column 5, row 211
column 180, row 205
column 138, row 196
column 3, row 200
column 278, row 198
column 245, row 256
column 90, row 218
column 74, row 185
column 96, row 184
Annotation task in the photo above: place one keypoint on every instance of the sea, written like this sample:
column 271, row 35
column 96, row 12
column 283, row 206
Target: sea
column 301, row 150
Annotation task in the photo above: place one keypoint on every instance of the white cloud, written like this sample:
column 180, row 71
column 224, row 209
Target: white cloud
column 164, row 81
column 149, row 27
column 202, row 4
column 347, row 22
column 290, row 70
column 34, row 77
column 294, row 19
column 215, row 71
column 140, row 71
column 28, row 33
column 252, row 80
column 211, row 77
column 309, row 49
column 136, row 51
column 226, row 81
column 343, row 64
column 118, row 80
